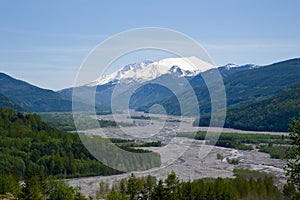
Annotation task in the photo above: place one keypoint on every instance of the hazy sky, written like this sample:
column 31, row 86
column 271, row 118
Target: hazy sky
column 44, row 42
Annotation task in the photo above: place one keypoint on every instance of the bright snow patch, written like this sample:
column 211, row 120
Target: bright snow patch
column 147, row 70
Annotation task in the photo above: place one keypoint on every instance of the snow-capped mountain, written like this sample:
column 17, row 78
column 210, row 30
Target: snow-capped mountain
column 148, row 70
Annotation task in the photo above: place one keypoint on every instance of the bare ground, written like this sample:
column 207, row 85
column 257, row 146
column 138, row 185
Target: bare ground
column 189, row 159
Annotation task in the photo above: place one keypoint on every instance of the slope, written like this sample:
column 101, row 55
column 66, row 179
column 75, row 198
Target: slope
column 146, row 96
column 6, row 103
column 274, row 113
column 243, row 86
column 32, row 98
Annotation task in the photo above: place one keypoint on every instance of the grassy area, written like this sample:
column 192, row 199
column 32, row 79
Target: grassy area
column 278, row 152
column 123, row 143
column 247, row 173
column 275, row 145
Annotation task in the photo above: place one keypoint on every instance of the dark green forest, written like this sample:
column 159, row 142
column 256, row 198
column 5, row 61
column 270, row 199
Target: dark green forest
column 25, row 140
column 38, row 155
column 273, row 113
column 256, row 186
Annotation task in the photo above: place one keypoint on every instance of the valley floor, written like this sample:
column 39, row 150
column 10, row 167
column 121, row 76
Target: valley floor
column 190, row 159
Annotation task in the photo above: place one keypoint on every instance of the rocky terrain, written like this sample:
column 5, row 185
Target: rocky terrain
column 188, row 158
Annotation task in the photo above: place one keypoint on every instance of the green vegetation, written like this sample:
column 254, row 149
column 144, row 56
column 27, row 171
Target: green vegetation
column 64, row 121
column 173, row 120
column 148, row 93
column 293, row 164
column 33, row 152
column 22, row 93
column 275, row 145
column 132, row 143
column 268, row 114
column 144, row 117
column 171, row 188
column 278, row 152
column 109, row 123
column 25, row 140
column 6, row 103
column 132, row 146
column 248, row 174
column 36, row 186
column 151, row 144
column 242, row 87
column 119, row 140
column 233, row 161
column 242, row 137
column 220, row 156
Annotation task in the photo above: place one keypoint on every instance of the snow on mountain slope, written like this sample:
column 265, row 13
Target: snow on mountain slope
column 248, row 66
column 147, row 70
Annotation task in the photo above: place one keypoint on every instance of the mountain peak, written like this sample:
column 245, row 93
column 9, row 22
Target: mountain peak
column 148, row 70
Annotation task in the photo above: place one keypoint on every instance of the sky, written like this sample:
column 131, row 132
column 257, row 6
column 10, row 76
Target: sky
column 45, row 42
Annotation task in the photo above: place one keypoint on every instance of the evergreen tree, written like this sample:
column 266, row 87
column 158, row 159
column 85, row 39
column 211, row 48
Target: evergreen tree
column 58, row 189
column 293, row 155
column 172, row 184
column 159, row 191
column 134, row 187
column 33, row 184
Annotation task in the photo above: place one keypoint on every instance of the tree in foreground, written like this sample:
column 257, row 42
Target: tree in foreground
column 293, row 156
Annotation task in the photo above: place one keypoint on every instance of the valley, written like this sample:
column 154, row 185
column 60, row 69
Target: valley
column 150, row 100
column 190, row 159
column 149, row 125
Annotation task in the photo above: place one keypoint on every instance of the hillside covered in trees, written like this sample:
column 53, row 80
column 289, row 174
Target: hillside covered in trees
column 273, row 113
column 25, row 140
column 6, row 103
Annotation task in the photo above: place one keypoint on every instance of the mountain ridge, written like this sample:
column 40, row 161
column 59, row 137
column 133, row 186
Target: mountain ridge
column 32, row 98
column 149, row 70
column 242, row 86
column 103, row 93
column 6, row 103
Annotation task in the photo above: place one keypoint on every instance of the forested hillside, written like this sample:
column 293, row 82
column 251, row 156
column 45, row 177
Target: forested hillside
column 6, row 103
column 32, row 98
column 241, row 87
column 25, row 140
column 269, row 114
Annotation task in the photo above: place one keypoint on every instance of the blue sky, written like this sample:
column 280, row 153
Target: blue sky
column 44, row 42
